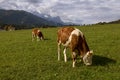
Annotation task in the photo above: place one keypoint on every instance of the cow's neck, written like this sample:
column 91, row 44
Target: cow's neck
column 85, row 48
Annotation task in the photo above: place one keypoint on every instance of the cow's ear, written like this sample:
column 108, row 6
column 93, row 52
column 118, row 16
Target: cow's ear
column 91, row 51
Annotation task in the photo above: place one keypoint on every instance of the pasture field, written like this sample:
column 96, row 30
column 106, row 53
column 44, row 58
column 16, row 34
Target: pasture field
column 22, row 59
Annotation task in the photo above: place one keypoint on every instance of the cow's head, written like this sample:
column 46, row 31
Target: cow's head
column 87, row 59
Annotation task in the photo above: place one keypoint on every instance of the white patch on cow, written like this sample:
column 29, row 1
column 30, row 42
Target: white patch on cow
column 91, row 51
column 76, row 32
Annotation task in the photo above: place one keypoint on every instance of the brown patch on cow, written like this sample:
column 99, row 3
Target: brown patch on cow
column 79, row 43
column 74, row 42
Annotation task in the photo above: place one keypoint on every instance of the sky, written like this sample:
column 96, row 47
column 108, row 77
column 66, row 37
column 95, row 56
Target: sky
column 75, row 11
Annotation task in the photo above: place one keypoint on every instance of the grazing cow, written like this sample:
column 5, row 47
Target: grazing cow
column 74, row 39
column 38, row 34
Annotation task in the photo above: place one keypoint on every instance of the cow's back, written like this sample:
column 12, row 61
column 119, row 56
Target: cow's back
column 64, row 33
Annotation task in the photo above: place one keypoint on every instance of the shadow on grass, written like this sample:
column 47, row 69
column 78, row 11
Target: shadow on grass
column 102, row 61
column 96, row 61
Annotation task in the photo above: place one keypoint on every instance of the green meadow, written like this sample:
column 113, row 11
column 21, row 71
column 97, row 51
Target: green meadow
column 22, row 59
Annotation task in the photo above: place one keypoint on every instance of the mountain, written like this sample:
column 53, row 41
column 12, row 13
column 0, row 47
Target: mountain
column 55, row 19
column 20, row 17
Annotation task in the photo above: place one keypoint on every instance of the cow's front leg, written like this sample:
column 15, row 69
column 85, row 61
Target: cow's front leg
column 74, row 58
column 59, row 47
column 33, row 36
column 38, row 38
column 64, row 52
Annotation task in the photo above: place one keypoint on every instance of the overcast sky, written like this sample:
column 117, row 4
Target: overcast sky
column 76, row 11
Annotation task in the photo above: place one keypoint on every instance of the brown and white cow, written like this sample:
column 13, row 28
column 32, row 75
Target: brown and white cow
column 74, row 39
column 36, row 33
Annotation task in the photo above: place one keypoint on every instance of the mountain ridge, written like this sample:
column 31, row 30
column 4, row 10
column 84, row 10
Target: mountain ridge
column 20, row 17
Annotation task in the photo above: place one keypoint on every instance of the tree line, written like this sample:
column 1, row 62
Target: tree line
column 9, row 27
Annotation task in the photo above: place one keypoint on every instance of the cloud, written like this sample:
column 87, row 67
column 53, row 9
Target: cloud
column 77, row 11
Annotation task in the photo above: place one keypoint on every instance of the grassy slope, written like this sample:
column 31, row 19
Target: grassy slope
column 22, row 59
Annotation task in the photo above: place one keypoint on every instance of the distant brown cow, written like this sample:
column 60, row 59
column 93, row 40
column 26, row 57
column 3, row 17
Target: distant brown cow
column 36, row 33
column 75, row 40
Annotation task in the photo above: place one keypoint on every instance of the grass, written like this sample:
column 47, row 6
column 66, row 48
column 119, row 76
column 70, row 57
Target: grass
column 22, row 59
